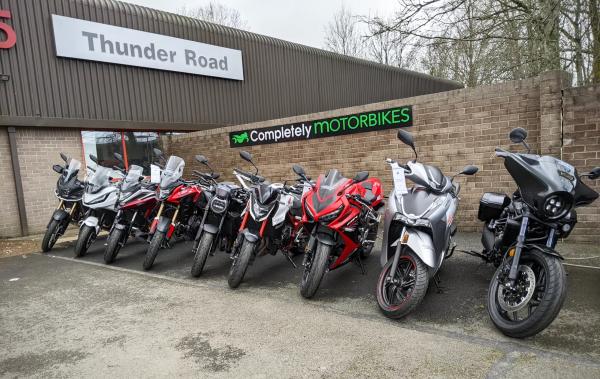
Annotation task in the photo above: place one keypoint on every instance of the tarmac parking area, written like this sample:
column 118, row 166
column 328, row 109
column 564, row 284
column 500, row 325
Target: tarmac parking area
column 66, row 317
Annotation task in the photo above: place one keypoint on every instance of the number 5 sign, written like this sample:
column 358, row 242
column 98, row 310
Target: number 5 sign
column 11, row 36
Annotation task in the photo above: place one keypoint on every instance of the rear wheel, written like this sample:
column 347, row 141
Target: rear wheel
column 51, row 235
column 155, row 245
column 534, row 301
column 400, row 293
column 240, row 264
column 115, row 241
column 315, row 270
column 202, row 248
column 87, row 236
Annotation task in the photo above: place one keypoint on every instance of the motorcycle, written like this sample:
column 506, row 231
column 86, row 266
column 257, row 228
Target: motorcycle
column 180, row 207
column 100, row 197
column 137, row 205
column 520, row 234
column 69, row 190
column 271, row 222
column 418, row 231
column 220, row 222
column 341, row 217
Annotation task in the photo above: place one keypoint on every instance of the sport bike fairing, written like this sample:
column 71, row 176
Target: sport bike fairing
column 540, row 176
column 326, row 190
column 99, row 192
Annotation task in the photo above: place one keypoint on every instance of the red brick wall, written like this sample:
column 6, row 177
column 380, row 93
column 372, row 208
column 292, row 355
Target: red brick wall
column 581, row 112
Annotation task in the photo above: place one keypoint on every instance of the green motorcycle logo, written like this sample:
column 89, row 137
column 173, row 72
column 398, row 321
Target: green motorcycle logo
column 240, row 138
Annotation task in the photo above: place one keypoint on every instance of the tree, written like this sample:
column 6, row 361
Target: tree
column 216, row 13
column 342, row 34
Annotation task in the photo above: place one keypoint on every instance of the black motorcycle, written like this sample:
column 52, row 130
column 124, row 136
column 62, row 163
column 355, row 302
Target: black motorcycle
column 220, row 222
column 520, row 235
column 69, row 190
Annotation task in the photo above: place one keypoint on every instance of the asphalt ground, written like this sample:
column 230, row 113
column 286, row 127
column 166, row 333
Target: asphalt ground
column 67, row 317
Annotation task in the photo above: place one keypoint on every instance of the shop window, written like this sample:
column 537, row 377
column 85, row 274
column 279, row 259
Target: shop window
column 135, row 147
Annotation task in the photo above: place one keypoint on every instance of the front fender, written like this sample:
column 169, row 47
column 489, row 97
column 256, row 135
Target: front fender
column 249, row 236
column 121, row 226
column 326, row 239
column 163, row 224
column 210, row 228
column 59, row 215
column 544, row 249
column 92, row 222
column 422, row 245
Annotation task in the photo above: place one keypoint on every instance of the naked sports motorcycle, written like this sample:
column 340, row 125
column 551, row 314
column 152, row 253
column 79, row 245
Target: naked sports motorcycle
column 220, row 221
column 270, row 222
column 520, row 234
column 137, row 205
column 100, row 197
column 69, row 190
column 340, row 214
column 418, row 230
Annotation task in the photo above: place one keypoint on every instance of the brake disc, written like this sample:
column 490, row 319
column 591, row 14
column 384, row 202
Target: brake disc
column 512, row 300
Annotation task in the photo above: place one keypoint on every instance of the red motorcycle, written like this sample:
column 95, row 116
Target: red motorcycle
column 181, row 205
column 342, row 219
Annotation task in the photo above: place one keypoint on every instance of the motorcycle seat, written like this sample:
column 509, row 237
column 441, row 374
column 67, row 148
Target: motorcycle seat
column 369, row 195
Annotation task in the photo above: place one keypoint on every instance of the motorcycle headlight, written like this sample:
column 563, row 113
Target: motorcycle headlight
column 556, row 206
column 423, row 222
column 332, row 215
column 218, row 205
column 259, row 212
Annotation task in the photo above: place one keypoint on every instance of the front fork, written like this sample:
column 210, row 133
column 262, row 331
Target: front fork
column 514, row 267
column 394, row 267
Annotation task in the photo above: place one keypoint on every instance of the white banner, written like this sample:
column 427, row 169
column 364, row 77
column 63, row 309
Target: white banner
column 75, row 38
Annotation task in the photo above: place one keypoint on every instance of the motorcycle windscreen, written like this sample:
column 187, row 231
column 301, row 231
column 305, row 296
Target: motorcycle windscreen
column 132, row 180
column 172, row 172
column 99, row 179
column 72, row 169
column 326, row 192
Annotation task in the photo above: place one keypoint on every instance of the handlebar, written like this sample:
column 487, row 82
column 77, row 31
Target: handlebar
column 252, row 177
column 391, row 161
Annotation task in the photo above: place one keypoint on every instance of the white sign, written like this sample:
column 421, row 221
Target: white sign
column 399, row 180
column 93, row 41
column 154, row 174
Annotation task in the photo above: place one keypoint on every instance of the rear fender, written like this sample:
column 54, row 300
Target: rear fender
column 422, row 245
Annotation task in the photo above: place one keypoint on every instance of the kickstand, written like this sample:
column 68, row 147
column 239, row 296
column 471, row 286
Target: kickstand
column 437, row 282
column 290, row 259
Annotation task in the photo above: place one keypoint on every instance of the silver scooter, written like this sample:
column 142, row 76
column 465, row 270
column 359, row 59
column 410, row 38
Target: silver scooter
column 418, row 230
column 100, row 197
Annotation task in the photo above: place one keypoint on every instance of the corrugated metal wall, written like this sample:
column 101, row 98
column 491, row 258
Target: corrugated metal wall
column 281, row 79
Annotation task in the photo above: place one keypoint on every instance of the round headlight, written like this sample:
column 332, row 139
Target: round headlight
column 556, row 206
column 218, row 205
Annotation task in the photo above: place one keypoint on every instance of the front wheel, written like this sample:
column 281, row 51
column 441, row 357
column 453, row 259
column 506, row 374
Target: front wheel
column 51, row 235
column 87, row 236
column 399, row 293
column 240, row 264
column 315, row 270
column 155, row 245
column 202, row 249
column 115, row 241
column 533, row 302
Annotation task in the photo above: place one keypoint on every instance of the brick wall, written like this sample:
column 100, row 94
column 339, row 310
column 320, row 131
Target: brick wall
column 451, row 129
column 581, row 112
column 9, row 222
column 38, row 150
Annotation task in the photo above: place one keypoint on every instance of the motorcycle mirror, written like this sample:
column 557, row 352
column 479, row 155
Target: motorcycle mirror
column 246, row 156
column 118, row 157
column 201, row 159
column 595, row 173
column 361, row 176
column 157, row 152
column 408, row 140
column 469, row 170
column 93, row 158
column 58, row 168
column 64, row 157
column 215, row 175
column 517, row 135
column 298, row 170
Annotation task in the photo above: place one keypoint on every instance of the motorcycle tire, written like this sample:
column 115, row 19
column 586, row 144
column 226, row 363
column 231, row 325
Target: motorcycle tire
column 407, row 260
column 87, row 236
column 113, row 245
column 240, row 264
column 311, row 280
column 202, row 248
column 555, row 291
column 51, row 235
column 155, row 245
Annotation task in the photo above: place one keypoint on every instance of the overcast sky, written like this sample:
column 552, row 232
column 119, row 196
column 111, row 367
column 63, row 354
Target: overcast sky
column 297, row 21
